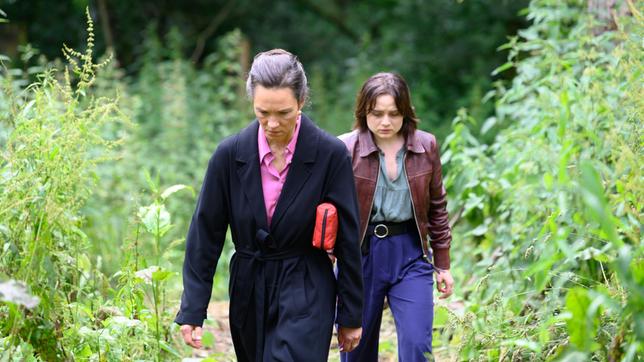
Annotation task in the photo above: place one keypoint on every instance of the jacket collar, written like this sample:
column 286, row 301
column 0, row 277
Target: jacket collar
column 368, row 146
column 247, row 157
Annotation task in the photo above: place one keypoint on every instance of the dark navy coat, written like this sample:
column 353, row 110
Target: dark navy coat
column 282, row 291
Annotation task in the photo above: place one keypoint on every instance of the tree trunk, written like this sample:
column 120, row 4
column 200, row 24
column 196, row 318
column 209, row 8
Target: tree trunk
column 105, row 25
column 216, row 21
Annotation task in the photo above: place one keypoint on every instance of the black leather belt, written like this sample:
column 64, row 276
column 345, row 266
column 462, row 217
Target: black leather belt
column 384, row 229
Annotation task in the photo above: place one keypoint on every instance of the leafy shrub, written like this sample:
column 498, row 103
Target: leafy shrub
column 57, row 135
column 179, row 114
column 548, row 241
column 52, row 146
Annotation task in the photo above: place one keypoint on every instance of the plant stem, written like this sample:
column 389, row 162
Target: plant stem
column 156, row 319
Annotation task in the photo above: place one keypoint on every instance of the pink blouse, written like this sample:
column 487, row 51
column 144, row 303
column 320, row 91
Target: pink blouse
column 273, row 181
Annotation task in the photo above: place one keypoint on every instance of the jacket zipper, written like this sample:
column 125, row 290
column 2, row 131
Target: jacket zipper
column 322, row 246
column 413, row 208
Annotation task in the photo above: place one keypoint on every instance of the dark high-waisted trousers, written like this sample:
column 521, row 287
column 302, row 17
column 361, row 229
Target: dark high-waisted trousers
column 394, row 268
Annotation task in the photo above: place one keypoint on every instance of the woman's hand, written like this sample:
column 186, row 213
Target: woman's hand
column 191, row 335
column 349, row 338
column 444, row 283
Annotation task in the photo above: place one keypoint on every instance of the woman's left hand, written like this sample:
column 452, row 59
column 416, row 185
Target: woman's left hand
column 349, row 338
column 444, row 283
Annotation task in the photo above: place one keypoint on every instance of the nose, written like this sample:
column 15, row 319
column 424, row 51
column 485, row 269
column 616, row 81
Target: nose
column 272, row 122
column 386, row 121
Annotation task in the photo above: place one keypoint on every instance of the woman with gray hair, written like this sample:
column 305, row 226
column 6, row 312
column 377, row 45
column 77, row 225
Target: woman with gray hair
column 265, row 183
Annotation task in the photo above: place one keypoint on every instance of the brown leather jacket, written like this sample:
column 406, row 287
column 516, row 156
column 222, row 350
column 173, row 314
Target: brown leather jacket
column 423, row 169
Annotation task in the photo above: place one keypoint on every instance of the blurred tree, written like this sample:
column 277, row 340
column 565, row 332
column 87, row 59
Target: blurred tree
column 447, row 49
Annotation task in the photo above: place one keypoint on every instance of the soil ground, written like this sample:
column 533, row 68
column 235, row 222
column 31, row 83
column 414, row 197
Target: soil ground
column 222, row 348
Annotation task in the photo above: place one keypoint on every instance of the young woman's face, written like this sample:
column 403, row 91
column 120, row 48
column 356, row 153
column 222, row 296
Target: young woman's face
column 385, row 120
column 277, row 110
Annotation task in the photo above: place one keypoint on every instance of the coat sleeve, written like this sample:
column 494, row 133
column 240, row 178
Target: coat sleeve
column 342, row 193
column 439, row 230
column 205, row 241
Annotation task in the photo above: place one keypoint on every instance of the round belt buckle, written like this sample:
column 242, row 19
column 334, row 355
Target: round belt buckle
column 381, row 230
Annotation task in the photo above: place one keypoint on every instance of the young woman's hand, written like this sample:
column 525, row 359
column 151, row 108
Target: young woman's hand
column 191, row 335
column 444, row 283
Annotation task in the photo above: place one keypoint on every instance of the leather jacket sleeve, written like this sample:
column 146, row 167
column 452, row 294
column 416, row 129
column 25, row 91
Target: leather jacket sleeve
column 438, row 219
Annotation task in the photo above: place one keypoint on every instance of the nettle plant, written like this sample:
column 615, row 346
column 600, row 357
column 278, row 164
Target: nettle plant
column 52, row 145
column 55, row 304
column 550, row 212
column 148, row 283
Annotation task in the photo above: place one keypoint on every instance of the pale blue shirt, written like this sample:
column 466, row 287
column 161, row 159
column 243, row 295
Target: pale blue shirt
column 392, row 200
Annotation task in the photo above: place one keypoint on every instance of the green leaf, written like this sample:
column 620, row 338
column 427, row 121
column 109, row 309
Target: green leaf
column 441, row 316
column 548, row 180
column 208, row 339
column 151, row 184
column 488, row 124
column 160, row 275
column 502, row 68
column 574, row 356
column 155, row 218
column 168, row 348
column 479, row 230
column 172, row 189
column 524, row 343
column 582, row 327
column 473, row 202
column 86, row 352
column 577, row 302
column 597, row 208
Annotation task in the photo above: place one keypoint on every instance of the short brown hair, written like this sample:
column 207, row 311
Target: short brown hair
column 381, row 84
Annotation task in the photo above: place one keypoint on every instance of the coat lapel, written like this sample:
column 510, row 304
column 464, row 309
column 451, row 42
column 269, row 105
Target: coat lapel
column 300, row 168
column 248, row 171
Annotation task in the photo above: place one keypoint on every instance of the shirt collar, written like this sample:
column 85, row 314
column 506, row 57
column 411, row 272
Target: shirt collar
column 265, row 149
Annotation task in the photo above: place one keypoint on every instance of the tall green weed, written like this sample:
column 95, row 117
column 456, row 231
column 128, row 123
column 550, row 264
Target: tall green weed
column 53, row 144
column 548, row 237
column 62, row 138
column 179, row 114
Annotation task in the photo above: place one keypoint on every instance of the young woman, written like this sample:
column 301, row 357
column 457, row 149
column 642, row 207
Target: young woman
column 265, row 183
column 402, row 202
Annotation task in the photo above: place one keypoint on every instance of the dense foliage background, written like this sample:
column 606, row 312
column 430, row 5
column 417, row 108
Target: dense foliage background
column 538, row 106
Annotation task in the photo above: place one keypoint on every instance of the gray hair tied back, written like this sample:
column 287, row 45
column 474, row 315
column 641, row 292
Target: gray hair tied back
column 277, row 68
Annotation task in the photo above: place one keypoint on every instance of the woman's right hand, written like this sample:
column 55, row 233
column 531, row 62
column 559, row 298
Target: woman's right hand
column 191, row 335
column 444, row 283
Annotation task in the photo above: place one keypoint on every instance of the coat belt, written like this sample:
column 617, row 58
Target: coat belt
column 264, row 252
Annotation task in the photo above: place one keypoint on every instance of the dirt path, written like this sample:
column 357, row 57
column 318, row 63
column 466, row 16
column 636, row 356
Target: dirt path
column 222, row 348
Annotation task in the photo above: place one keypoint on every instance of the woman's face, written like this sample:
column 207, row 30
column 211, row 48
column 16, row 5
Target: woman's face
column 277, row 110
column 385, row 120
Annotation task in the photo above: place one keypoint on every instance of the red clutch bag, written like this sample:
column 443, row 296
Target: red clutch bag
column 326, row 226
